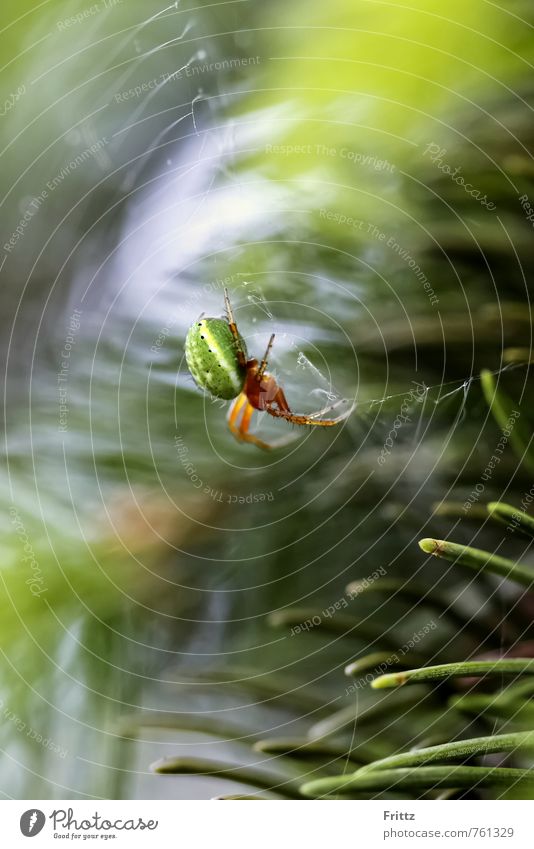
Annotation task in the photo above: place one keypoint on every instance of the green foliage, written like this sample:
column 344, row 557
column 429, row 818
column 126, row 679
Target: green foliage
column 321, row 763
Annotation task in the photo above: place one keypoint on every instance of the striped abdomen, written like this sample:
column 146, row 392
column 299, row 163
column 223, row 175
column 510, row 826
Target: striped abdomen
column 210, row 351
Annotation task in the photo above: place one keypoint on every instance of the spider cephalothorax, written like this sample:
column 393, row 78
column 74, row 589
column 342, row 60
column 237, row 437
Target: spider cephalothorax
column 217, row 358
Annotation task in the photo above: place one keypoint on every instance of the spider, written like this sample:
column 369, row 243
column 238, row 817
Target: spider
column 217, row 358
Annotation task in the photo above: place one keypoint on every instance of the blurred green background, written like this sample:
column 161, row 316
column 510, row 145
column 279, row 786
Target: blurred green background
column 358, row 175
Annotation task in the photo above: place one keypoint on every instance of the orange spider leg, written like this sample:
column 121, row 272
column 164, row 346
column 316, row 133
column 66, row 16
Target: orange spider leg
column 241, row 407
column 282, row 411
column 272, row 399
column 298, row 419
column 281, row 401
column 235, row 411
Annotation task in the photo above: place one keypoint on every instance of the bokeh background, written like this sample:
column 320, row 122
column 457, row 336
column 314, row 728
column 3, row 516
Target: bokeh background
column 359, row 175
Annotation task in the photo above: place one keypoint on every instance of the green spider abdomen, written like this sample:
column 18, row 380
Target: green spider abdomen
column 211, row 354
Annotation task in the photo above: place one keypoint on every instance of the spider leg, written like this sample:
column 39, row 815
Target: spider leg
column 233, row 328
column 241, row 407
column 297, row 419
column 282, row 411
column 263, row 366
column 235, row 411
column 281, row 401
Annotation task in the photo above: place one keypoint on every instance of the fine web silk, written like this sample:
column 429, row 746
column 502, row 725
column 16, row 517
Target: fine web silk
column 210, row 352
column 217, row 359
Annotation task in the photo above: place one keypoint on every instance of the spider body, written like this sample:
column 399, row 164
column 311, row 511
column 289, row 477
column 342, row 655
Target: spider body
column 217, row 358
column 210, row 351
